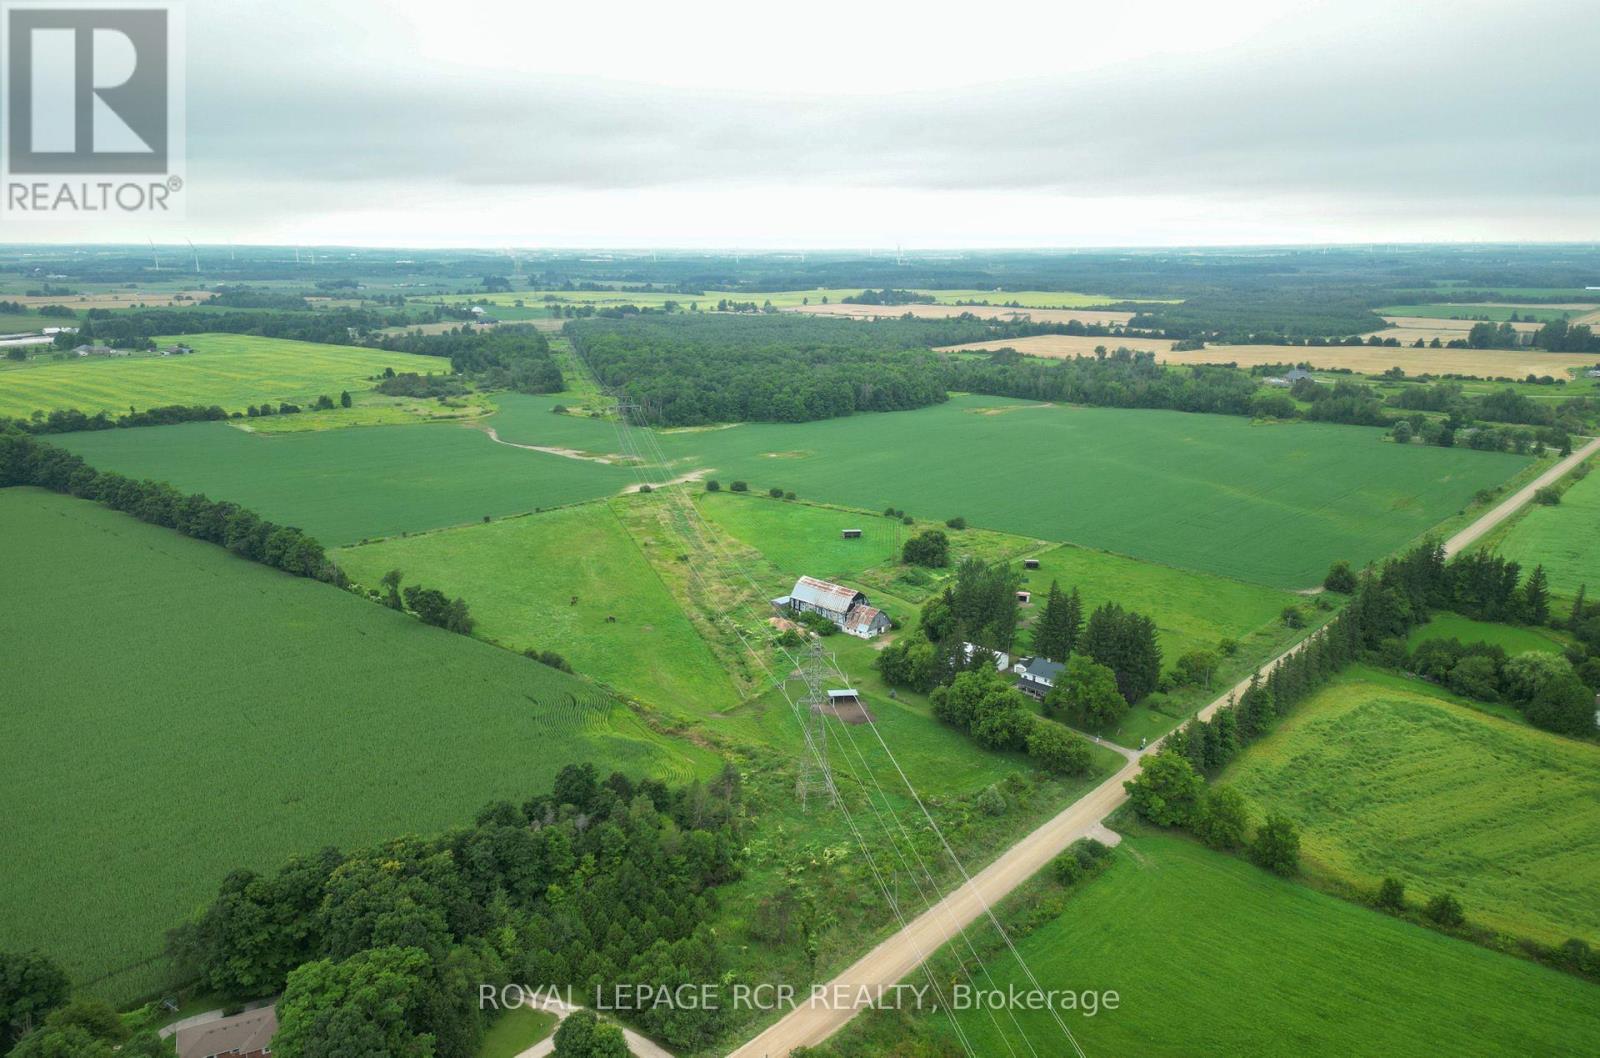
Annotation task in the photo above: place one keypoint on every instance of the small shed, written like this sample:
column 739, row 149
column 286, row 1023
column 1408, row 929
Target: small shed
column 1030, row 563
column 850, row 534
column 1024, row 596
column 844, row 696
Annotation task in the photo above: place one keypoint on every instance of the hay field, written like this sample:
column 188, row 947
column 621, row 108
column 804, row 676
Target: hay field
column 180, row 712
column 1364, row 359
column 1386, row 777
column 120, row 299
column 232, row 370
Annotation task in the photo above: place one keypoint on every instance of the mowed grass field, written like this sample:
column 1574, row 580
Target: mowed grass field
column 231, row 370
column 1513, row 639
column 1212, row 956
column 1386, row 778
column 553, row 581
column 174, row 712
column 343, row 486
column 1560, row 538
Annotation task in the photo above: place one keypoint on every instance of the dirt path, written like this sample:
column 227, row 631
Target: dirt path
column 568, row 453
column 894, row 959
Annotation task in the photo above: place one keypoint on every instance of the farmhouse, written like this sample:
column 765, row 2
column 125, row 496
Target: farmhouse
column 99, row 350
column 845, row 607
column 1038, row 676
column 247, row 1035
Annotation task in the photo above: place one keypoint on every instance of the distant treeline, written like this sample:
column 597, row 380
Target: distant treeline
column 333, row 326
column 1119, row 379
column 888, row 296
column 71, row 420
column 508, row 357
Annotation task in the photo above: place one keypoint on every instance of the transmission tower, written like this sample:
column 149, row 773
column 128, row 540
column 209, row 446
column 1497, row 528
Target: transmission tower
column 816, row 771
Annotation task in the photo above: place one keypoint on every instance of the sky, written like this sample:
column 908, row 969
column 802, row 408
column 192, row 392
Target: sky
column 833, row 125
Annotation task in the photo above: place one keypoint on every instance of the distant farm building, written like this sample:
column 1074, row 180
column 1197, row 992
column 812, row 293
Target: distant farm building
column 1024, row 596
column 247, row 1035
column 99, row 350
column 1594, row 372
column 1296, row 375
column 1038, row 676
column 1030, row 563
column 850, row 534
column 844, row 606
column 1002, row 660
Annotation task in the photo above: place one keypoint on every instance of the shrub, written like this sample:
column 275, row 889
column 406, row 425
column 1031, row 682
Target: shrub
column 1445, row 910
column 1277, row 846
column 1340, row 578
column 1293, row 618
column 1550, row 496
column 929, row 548
column 1223, row 821
column 713, row 485
column 775, row 493
column 1391, row 895
column 956, row 523
column 1058, row 750
column 739, row 486
column 788, row 495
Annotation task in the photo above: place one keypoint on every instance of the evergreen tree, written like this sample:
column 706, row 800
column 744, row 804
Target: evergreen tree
column 1536, row 596
column 1074, row 622
column 1050, row 636
column 1576, row 617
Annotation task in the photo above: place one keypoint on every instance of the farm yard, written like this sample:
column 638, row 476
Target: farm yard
column 1387, row 777
column 1185, row 936
column 178, row 754
column 225, row 369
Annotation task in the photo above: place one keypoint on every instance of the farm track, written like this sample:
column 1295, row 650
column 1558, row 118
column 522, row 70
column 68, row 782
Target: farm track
column 894, row 959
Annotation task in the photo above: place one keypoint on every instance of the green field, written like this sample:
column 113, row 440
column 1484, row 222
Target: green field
column 233, row 370
column 1268, row 504
column 1211, row 956
column 521, row 574
column 343, row 486
column 1386, row 778
column 1513, row 639
column 179, row 712
column 1560, row 538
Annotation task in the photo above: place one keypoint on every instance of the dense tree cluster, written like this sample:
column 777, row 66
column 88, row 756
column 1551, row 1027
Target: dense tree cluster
column 331, row 326
column 382, row 950
column 71, row 420
column 999, row 717
column 510, row 356
column 930, row 547
column 1118, row 379
column 888, row 296
column 691, row 370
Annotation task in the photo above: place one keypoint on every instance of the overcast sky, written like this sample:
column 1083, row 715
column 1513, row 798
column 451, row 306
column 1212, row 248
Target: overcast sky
column 869, row 124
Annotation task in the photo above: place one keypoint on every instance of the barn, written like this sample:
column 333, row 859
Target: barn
column 844, row 606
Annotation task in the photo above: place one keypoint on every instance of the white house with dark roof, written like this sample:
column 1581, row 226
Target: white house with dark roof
column 1038, row 675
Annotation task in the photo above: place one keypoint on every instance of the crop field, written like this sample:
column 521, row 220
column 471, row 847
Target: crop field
column 149, row 750
column 1560, row 538
column 1267, row 504
column 1364, row 359
column 1211, row 955
column 232, row 370
column 1386, row 778
column 1513, row 639
column 343, row 486
column 571, row 581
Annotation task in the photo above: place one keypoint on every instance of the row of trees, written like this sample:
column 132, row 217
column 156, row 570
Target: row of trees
column 981, row 702
column 26, row 461
column 382, row 950
column 1545, row 687
column 511, row 356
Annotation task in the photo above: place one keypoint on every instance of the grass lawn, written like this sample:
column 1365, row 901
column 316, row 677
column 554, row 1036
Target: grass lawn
column 346, row 485
column 233, row 370
column 1385, row 778
column 1211, row 955
column 1269, row 504
column 1560, row 538
column 179, row 712
column 1514, row 639
column 515, row 1031
column 520, row 576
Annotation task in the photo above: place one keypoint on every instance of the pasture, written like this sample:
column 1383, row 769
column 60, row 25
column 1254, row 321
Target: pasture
column 1560, row 538
column 1211, row 955
column 1362, row 359
column 572, row 581
column 180, row 712
column 1387, row 778
column 231, row 370
column 343, row 486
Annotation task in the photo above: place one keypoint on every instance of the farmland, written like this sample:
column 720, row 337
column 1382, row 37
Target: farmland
column 1268, row 504
column 1210, row 955
column 1386, row 778
column 343, row 486
column 1561, row 538
column 230, row 370
column 181, row 712
column 571, row 581
column 1512, row 639
column 1492, row 311
column 1363, row 359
